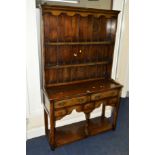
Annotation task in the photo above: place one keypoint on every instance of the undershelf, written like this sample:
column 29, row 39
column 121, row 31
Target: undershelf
column 76, row 131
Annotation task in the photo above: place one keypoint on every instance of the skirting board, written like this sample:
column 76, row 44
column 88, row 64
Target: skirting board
column 40, row 131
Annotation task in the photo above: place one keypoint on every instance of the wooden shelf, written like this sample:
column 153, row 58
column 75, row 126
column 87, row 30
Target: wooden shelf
column 77, row 65
column 73, row 82
column 76, row 131
column 79, row 43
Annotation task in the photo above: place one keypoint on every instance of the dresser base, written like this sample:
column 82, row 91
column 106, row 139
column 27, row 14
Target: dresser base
column 76, row 131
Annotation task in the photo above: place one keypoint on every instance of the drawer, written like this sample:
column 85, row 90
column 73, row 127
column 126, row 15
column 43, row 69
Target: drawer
column 113, row 101
column 88, row 106
column 103, row 95
column 59, row 113
column 71, row 102
column 98, row 103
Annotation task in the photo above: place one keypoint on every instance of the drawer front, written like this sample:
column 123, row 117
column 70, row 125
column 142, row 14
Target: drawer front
column 113, row 101
column 88, row 106
column 71, row 102
column 98, row 103
column 103, row 95
column 59, row 113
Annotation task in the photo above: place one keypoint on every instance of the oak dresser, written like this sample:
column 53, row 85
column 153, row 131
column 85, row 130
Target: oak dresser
column 77, row 56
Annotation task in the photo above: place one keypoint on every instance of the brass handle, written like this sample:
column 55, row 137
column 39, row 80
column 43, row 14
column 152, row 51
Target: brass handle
column 97, row 97
column 88, row 91
column 75, row 54
column 81, row 100
column 62, row 103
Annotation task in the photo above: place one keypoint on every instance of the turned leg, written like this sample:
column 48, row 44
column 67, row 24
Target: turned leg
column 46, row 122
column 52, row 127
column 87, row 115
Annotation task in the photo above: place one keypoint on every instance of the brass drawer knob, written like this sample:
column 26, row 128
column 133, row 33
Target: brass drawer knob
column 80, row 100
column 62, row 103
column 75, row 54
column 88, row 91
column 97, row 97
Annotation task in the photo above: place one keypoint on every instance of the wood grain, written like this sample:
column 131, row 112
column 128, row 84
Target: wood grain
column 77, row 57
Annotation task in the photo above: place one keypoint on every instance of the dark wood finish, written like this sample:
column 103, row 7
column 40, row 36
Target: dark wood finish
column 78, row 43
column 78, row 65
column 52, row 126
column 103, row 110
column 87, row 115
column 116, row 114
column 46, row 122
column 77, row 56
column 76, row 131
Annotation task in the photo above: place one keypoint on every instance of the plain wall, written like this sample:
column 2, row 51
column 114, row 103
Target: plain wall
column 122, row 47
column 34, row 106
column 123, row 63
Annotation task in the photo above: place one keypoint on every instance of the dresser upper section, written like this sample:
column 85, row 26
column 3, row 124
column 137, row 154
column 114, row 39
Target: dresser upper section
column 78, row 44
column 71, row 24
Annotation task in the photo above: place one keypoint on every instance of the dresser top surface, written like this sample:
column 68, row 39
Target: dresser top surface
column 77, row 90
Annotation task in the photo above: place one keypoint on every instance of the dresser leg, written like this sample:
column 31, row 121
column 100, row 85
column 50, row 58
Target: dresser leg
column 114, row 119
column 46, row 122
column 52, row 138
column 103, row 110
column 116, row 108
column 52, row 127
column 52, row 148
column 87, row 115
